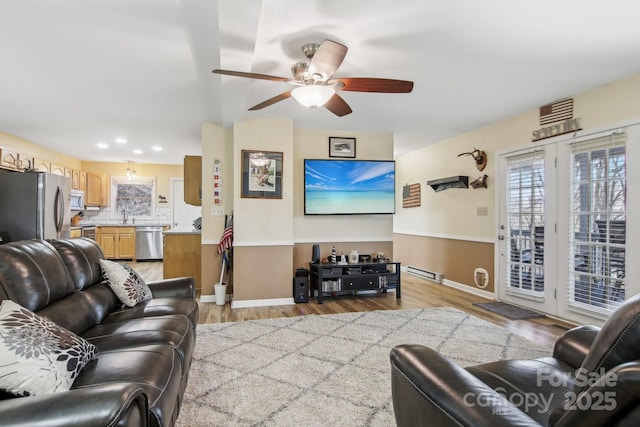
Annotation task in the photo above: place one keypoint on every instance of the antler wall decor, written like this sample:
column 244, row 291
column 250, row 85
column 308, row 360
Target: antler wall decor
column 479, row 156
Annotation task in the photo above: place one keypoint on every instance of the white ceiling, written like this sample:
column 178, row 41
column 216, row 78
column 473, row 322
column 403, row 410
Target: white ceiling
column 75, row 72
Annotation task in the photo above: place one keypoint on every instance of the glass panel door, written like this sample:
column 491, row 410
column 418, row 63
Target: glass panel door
column 524, row 223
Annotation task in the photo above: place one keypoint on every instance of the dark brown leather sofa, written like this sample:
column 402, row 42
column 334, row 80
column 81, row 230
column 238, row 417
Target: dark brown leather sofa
column 144, row 352
column 591, row 379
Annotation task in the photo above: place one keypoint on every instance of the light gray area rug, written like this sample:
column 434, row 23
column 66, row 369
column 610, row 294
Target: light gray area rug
column 326, row 370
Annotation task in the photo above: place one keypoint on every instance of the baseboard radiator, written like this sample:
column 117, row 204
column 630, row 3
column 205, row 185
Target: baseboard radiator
column 426, row 274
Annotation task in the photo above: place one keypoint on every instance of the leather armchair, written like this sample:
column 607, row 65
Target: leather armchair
column 591, row 379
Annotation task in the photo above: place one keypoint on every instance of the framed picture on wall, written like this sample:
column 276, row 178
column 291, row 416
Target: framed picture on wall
column 261, row 174
column 342, row 147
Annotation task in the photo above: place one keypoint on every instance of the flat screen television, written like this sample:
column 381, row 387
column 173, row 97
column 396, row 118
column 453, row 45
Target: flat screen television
column 349, row 187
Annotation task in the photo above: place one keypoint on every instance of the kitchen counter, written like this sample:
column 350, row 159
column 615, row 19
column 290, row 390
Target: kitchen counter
column 127, row 225
column 183, row 232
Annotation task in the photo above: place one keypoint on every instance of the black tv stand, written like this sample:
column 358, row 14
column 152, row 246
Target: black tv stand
column 349, row 278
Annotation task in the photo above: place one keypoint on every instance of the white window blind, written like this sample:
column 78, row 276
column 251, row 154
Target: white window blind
column 525, row 218
column 597, row 240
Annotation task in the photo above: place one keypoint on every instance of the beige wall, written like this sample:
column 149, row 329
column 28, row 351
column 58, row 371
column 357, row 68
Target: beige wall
column 314, row 144
column 162, row 173
column 263, row 228
column 448, row 221
column 216, row 145
column 23, row 146
column 275, row 233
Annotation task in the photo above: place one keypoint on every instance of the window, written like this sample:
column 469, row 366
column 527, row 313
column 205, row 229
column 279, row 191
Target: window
column 132, row 198
column 597, row 240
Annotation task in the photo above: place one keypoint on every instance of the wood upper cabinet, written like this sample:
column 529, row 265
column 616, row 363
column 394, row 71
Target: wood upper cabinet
column 41, row 165
column 193, row 180
column 82, row 181
column 68, row 172
column 75, row 180
column 56, row 169
column 96, row 193
column 9, row 159
column 117, row 242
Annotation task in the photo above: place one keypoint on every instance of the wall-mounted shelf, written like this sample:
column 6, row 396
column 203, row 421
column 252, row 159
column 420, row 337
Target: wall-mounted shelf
column 458, row 181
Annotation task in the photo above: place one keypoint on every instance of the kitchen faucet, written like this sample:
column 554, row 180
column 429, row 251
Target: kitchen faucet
column 124, row 216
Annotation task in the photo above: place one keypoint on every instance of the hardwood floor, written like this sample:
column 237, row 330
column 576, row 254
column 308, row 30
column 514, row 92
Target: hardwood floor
column 416, row 293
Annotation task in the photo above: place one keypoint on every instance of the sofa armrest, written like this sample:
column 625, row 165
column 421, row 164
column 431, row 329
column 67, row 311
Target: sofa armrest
column 428, row 389
column 572, row 347
column 121, row 404
column 177, row 287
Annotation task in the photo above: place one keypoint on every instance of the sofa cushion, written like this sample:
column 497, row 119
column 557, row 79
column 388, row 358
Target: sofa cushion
column 125, row 282
column 172, row 330
column 156, row 307
column 33, row 274
column 36, row 355
column 155, row 368
column 82, row 257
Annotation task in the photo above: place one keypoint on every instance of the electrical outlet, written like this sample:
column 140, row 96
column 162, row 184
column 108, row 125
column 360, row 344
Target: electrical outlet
column 217, row 211
column 482, row 211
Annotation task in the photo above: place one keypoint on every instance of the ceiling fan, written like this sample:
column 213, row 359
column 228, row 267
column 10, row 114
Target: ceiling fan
column 315, row 86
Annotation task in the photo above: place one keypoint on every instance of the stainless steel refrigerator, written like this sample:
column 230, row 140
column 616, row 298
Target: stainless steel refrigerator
column 34, row 205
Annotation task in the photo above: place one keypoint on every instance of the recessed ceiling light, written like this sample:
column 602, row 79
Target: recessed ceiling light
column 156, row 148
column 120, row 140
column 138, row 151
column 102, row 145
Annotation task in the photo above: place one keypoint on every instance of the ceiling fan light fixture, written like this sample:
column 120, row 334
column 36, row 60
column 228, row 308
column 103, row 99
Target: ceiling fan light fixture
column 313, row 96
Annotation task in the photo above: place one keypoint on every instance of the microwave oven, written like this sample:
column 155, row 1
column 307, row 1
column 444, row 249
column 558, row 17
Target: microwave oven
column 77, row 200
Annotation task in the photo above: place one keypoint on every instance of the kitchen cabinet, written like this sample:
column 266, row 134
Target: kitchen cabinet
column 82, row 181
column 75, row 179
column 117, row 242
column 9, row 159
column 25, row 161
column 41, row 165
column 68, row 172
column 75, row 232
column 193, row 180
column 56, row 169
column 96, row 193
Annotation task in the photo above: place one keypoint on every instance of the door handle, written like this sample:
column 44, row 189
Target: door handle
column 501, row 237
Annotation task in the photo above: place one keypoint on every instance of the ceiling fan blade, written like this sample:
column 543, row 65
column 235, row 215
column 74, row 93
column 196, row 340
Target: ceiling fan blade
column 271, row 101
column 251, row 75
column 366, row 84
column 327, row 59
column 338, row 106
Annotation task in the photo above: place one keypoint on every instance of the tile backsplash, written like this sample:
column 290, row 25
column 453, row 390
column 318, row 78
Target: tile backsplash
column 104, row 216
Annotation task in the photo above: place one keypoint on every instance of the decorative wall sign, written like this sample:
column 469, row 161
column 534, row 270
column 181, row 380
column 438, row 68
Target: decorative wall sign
column 342, row 147
column 217, row 182
column 411, row 196
column 262, row 174
column 560, row 113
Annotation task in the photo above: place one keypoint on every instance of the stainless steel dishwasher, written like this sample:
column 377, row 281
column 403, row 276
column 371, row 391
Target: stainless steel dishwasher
column 148, row 242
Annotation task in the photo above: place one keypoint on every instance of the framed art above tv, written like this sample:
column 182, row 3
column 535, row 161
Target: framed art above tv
column 349, row 187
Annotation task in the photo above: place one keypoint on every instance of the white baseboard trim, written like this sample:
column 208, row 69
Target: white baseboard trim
column 262, row 302
column 469, row 289
column 207, row 298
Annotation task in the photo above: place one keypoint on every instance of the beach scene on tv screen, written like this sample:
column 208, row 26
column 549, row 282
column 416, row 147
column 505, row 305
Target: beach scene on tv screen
column 349, row 187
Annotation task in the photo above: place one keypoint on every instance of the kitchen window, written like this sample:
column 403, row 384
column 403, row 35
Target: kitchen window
column 133, row 198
